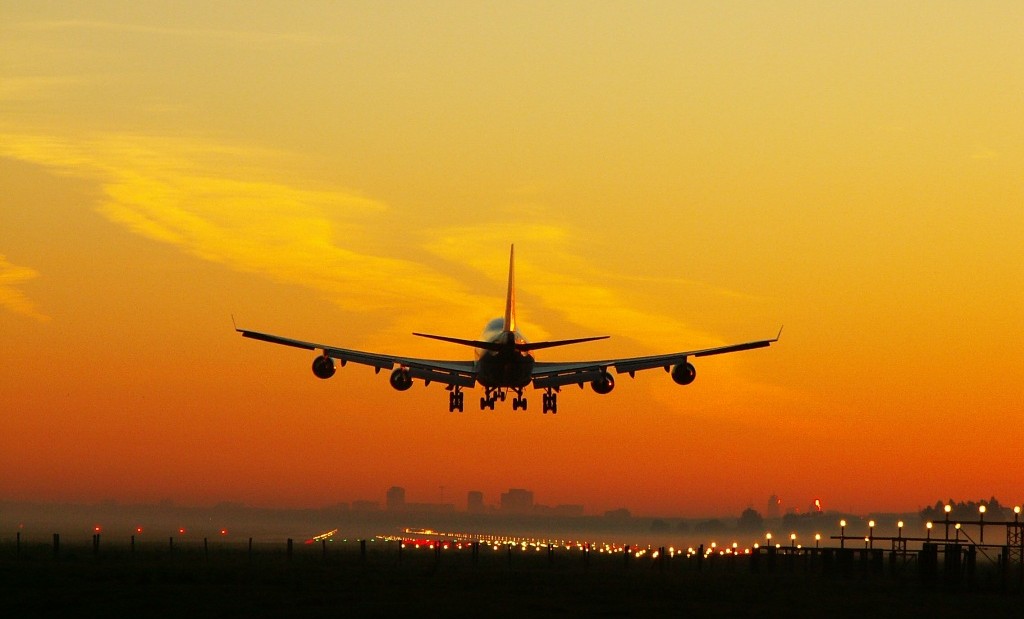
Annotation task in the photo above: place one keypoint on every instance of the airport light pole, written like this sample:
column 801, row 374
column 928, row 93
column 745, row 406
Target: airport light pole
column 981, row 523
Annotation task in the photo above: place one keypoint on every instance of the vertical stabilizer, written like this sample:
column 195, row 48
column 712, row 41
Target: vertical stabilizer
column 510, row 299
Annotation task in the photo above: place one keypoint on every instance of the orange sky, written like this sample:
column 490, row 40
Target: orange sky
column 675, row 175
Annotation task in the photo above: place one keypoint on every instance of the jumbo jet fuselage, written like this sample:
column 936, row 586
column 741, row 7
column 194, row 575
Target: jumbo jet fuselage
column 506, row 366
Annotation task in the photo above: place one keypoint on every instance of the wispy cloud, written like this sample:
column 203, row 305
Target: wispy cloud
column 232, row 36
column 14, row 88
column 180, row 192
column 11, row 297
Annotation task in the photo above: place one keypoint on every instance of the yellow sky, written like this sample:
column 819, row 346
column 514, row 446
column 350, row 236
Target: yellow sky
column 673, row 174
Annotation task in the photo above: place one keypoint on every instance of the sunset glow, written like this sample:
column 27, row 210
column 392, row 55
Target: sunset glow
column 674, row 175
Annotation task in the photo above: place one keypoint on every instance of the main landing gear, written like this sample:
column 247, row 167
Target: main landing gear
column 456, row 400
column 491, row 397
column 550, row 401
column 493, row 394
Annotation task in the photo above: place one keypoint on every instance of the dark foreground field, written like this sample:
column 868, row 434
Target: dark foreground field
column 229, row 581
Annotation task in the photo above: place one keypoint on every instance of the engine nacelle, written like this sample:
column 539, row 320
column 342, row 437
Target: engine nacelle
column 400, row 379
column 323, row 367
column 684, row 373
column 603, row 385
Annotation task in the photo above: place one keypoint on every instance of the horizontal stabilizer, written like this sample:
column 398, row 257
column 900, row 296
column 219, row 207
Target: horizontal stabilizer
column 551, row 344
column 521, row 346
column 454, row 340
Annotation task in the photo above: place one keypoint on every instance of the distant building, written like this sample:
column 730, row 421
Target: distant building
column 475, row 501
column 618, row 514
column 517, row 501
column 365, row 506
column 396, row 498
column 567, row 511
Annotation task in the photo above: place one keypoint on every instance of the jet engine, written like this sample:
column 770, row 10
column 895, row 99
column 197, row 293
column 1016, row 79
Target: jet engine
column 603, row 385
column 400, row 379
column 323, row 367
column 684, row 373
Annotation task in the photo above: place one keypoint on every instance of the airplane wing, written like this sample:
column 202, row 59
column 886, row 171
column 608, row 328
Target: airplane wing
column 453, row 373
column 555, row 374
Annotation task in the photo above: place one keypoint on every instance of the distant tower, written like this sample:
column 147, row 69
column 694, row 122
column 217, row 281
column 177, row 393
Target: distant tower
column 774, row 506
column 396, row 498
column 475, row 502
column 517, row 501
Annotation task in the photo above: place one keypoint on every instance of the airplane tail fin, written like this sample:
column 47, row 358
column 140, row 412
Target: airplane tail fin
column 509, row 325
column 510, row 298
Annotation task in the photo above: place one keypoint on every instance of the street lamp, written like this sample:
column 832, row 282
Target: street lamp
column 1016, row 512
column 981, row 523
column 871, row 533
column 957, row 527
column 899, row 525
column 928, row 525
column 817, row 540
column 947, row 508
column 842, row 533
column 792, row 540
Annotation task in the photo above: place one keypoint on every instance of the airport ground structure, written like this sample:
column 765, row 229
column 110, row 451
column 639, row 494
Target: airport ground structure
column 954, row 567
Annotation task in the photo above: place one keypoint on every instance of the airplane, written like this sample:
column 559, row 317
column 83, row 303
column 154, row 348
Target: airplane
column 504, row 362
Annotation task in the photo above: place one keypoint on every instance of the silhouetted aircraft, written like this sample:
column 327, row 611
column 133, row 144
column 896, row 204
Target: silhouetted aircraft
column 504, row 362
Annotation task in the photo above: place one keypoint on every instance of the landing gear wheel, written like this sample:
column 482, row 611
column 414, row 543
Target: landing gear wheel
column 550, row 403
column 456, row 402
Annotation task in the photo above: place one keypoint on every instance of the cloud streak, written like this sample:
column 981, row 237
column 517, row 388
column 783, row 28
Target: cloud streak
column 166, row 189
column 11, row 297
column 248, row 38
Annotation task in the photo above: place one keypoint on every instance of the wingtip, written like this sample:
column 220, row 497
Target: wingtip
column 779, row 335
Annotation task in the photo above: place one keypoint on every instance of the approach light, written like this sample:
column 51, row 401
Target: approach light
column 982, row 509
column 928, row 525
column 871, row 524
column 900, row 524
column 948, row 508
column 842, row 523
column 1016, row 509
column 957, row 526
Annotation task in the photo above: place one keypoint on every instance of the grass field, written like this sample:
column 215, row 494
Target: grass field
column 229, row 581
